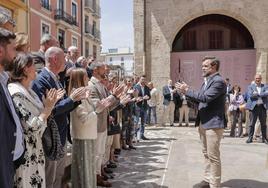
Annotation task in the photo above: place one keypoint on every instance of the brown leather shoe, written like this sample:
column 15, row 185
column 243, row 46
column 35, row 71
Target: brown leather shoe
column 204, row 184
column 102, row 183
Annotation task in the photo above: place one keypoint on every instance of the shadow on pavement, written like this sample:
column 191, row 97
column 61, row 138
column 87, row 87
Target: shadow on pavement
column 241, row 183
column 244, row 183
column 162, row 139
column 142, row 167
column 157, row 129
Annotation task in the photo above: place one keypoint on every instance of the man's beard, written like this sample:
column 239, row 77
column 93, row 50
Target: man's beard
column 102, row 76
column 7, row 64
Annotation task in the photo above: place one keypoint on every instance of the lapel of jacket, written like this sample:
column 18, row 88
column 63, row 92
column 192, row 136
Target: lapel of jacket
column 99, row 88
column 262, row 88
column 167, row 88
column 4, row 97
column 254, row 87
column 49, row 78
column 210, row 81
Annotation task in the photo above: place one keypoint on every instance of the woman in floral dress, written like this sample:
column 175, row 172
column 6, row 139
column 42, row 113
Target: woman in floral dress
column 33, row 114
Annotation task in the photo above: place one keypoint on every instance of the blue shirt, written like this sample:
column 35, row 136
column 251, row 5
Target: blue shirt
column 19, row 146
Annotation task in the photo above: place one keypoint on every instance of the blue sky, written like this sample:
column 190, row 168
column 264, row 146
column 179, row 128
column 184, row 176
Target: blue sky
column 116, row 24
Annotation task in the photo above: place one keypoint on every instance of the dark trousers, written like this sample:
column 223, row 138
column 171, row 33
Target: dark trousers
column 258, row 112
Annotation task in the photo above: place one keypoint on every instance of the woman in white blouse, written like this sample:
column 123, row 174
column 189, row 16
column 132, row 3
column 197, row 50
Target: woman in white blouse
column 84, row 133
column 236, row 99
column 33, row 114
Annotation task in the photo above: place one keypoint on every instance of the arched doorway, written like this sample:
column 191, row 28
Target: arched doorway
column 214, row 35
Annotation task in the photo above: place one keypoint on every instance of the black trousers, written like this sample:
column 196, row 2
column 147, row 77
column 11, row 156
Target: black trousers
column 258, row 112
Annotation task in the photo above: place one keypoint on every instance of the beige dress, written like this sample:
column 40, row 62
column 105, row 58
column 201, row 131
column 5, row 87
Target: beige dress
column 84, row 133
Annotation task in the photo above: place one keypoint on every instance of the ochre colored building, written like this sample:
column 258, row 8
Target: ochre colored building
column 19, row 12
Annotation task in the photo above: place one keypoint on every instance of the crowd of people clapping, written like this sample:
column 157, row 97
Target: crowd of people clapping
column 50, row 98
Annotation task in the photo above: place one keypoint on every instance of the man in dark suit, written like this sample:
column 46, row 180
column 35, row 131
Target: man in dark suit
column 47, row 79
column 170, row 98
column 11, row 133
column 141, row 104
column 257, row 104
column 211, row 118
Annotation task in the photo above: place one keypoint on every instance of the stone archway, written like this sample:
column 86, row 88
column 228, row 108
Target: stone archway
column 213, row 35
column 192, row 17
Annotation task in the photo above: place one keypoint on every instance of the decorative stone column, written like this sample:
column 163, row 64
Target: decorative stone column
column 139, row 37
column 262, row 64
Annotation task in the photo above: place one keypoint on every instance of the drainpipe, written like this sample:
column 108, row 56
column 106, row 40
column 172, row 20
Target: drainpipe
column 82, row 24
column 144, row 37
column 28, row 22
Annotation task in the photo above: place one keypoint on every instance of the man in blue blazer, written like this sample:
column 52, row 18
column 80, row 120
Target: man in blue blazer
column 170, row 98
column 141, row 104
column 211, row 118
column 47, row 79
column 257, row 106
column 11, row 133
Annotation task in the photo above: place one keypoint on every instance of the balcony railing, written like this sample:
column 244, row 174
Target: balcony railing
column 62, row 15
column 89, row 29
column 93, row 7
column 96, row 33
column 46, row 5
column 89, row 5
column 97, row 10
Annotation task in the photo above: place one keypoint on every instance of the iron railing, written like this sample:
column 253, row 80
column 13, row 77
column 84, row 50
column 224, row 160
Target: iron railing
column 62, row 15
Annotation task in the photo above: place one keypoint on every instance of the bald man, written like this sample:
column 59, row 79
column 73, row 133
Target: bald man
column 46, row 80
column 257, row 104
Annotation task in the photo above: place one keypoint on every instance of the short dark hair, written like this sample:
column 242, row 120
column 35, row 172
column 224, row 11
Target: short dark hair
column 236, row 86
column 5, row 36
column 213, row 61
column 21, row 61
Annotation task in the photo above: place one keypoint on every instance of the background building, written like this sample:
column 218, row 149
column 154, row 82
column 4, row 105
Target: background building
column 18, row 10
column 59, row 18
column 91, row 28
column 122, row 57
column 172, row 37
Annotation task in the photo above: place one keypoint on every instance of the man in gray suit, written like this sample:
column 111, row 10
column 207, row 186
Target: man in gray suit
column 257, row 105
column 169, row 94
column 99, row 93
column 211, row 118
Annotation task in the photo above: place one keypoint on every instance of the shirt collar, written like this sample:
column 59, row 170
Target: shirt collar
column 4, row 77
column 95, row 79
column 206, row 79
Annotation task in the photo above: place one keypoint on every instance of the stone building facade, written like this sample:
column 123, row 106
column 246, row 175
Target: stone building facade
column 158, row 24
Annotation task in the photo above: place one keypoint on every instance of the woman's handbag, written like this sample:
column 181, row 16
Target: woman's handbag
column 52, row 146
column 114, row 129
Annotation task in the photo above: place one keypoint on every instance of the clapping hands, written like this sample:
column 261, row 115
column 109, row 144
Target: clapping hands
column 182, row 87
column 103, row 104
column 79, row 94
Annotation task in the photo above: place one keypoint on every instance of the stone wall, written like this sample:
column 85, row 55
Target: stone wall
column 164, row 19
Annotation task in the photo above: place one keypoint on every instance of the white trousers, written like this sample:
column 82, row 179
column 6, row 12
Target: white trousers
column 169, row 113
column 100, row 150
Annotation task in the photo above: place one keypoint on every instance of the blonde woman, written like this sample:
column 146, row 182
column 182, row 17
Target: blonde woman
column 84, row 133
column 22, row 42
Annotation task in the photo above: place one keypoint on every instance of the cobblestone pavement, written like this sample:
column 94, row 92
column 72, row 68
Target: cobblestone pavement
column 172, row 158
